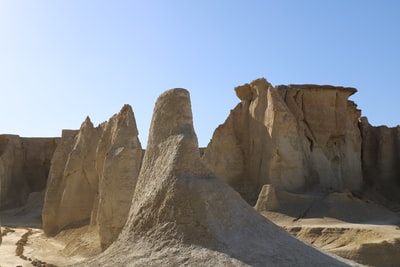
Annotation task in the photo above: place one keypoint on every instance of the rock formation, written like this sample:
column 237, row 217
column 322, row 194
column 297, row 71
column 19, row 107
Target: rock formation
column 340, row 223
column 182, row 214
column 381, row 158
column 24, row 167
column 294, row 137
column 119, row 157
column 71, row 187
column 93, row 176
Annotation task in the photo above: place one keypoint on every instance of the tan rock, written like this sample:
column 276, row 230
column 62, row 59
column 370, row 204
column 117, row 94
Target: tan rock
column 79, row 180
column 93, row 176
column 267, row 200
column 381, row 158
column 244, row 92
column 293, row 137
column 56, row 183
column 24, row 167
column 182, row 214
column 119, row 156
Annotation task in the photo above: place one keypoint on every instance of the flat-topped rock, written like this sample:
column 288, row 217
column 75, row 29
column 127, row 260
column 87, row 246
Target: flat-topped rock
column 294, row 137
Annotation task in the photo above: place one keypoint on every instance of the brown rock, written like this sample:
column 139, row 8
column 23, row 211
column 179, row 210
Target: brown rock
column 93, row 176
column 182, row 214
column 119, row 156
column 79, row 182
column 24, row 167
column 56, row 183
column 244, row 92
column 293, row 137
column 381, row 158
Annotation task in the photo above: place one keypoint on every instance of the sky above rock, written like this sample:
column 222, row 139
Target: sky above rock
column 63, row 60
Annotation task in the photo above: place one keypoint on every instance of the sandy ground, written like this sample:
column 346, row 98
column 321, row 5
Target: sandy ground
column 339, row 223
column 362, row 233
column 369, row 244
column 38, row 247
column 68, row 247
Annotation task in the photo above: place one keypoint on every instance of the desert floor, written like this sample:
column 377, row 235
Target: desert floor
column 341, row 224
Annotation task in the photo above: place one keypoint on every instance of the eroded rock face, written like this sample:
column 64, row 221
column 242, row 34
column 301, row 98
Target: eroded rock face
column 72, row 185
column 381, row 158
column 93, row 176
column 119, row 156
column 24, row 167
column 293, row 137
column 181, row 212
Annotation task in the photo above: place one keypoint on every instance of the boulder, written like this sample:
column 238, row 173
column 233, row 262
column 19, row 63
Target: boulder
column 182, row 214
column 294, row 137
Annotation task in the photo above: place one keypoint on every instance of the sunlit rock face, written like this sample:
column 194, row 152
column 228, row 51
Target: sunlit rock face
column 182, row 214
column 92, row 177
column 294, row 137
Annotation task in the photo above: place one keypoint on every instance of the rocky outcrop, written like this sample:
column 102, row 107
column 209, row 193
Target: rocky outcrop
column 119, row 157
column 330, row 220
column 182, row 214
column 294, row 137
column 24, row 167
column 72, row 184
column 381, row 158
column 93, row 176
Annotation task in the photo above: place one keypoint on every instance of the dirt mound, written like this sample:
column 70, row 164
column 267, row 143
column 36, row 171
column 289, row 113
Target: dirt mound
column 182, row 214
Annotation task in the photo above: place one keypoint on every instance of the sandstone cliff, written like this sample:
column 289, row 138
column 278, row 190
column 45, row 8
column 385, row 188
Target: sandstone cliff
column 182, row 214
column 24, row 167
column 294, row 137
column 381, row 158
column 92, row 177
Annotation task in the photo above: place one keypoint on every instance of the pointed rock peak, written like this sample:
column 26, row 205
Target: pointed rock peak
column 87, row 123
column 125, row 118
column 126, row 109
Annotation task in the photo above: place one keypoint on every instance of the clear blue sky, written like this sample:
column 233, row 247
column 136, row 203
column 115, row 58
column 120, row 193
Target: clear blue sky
column 63, row 60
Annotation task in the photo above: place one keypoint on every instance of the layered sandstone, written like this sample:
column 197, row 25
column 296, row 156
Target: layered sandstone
column 341, row 223
column 294, row 137
column 93, row 176
column 182, row 214
column 24, row 167
column 381, row 158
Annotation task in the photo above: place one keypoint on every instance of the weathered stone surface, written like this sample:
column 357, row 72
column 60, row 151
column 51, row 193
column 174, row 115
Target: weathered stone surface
column 93, row 176
column 183, row 214
column 119, row 156
column 75, row 184
column 293, row 137
column 56, row 183
column 381, row 158
column 24, row 167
